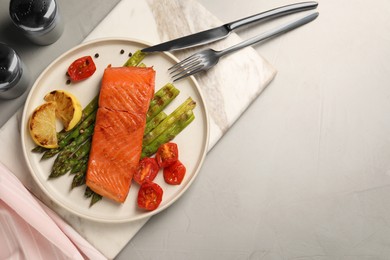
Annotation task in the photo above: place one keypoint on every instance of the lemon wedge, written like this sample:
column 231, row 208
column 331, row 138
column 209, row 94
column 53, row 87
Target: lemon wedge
column 68, row 108
column 42, row 125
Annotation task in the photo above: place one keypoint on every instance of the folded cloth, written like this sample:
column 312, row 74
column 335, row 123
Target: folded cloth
column 30, row 230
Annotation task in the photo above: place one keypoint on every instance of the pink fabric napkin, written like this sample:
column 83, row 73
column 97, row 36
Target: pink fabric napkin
column 30, row 230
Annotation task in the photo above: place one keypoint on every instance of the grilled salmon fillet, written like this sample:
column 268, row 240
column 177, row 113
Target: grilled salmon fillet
column 124, row 99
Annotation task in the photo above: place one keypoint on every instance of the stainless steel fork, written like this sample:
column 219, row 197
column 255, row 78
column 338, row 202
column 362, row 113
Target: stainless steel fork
column 204, row 60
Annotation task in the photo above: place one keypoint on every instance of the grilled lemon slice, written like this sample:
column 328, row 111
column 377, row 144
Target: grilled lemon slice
column 42, row 125
column 68, row 108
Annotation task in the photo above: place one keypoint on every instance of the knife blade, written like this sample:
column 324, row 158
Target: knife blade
column 221, row 32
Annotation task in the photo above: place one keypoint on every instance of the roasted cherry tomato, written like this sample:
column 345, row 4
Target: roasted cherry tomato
column 147, row 170
column 167, row 154
column 174, row 173
column 149, row 195
column 81, row 68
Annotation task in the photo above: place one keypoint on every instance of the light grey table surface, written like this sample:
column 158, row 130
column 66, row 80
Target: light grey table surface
column 305, row 172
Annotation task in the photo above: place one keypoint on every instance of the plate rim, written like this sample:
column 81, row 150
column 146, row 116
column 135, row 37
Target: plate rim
column 25, row 118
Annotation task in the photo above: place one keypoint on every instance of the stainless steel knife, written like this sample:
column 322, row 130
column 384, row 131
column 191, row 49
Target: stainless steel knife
column 223, row 31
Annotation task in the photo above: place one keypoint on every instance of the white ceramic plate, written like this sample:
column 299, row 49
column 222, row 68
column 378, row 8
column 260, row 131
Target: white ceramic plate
column 192, row 142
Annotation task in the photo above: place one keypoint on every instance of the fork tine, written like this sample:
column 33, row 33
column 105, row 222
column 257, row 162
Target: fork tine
column 185, row 61
column 186, row 73
column 186, row 70
column 187, row 66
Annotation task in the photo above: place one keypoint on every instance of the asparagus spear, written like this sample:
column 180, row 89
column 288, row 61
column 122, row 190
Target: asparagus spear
column 88, row 192
column 68, row 164
column 67, row 159
column 135, row 59
column 69, row 149
column 39, row 149
column 59, row 171
column 79, row 178
column 169, row 133
column 78, row 166
column 95, row 198
column 93, row 195
column 155, row 121
column 188, row 104
column 79, row 130
column 91, row 107
column 83, row 149
column 161, row 99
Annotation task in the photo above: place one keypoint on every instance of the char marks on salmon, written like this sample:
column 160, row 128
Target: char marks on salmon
column 124, row 100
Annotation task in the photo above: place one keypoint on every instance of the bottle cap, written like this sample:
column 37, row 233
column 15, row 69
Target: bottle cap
column 39, row 20
column 33, row 16
column 13, row 81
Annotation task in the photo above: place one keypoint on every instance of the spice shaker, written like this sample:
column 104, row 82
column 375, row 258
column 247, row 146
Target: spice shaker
column 14, row 77
column 39, row 20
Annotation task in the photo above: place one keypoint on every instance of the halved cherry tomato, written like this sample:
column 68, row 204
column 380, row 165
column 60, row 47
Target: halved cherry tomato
column 167, row 154
column 149, row 195
column 174, row 173
column 81, row 68
column 147, row 170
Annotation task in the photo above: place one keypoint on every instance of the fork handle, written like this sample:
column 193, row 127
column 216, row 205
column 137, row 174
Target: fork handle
column 274, row 13
column 269, row 34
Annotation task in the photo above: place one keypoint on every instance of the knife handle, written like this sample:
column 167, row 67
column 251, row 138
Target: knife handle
column 271, row 14
column 272, row 33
